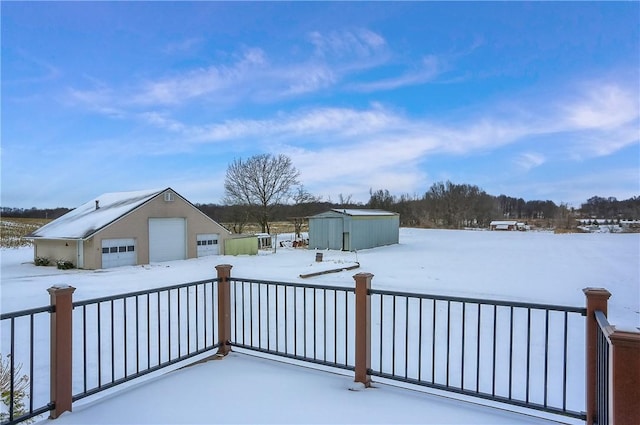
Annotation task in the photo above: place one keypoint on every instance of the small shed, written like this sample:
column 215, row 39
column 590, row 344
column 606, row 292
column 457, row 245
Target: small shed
column 241, row 245
column 353, row 229
column 130, row 228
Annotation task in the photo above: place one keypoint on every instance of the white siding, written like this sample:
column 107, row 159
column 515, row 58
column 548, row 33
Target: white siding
column 167, row 239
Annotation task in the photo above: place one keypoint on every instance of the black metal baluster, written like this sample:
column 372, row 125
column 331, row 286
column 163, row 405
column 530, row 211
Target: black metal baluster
column 99, row 313
column 493, row 362
column 564, row 368
column 479, row 319
column 510, row 351
column 113, row 371
column 433, row 342
column 138, row 335
column 546, row 355
column 448, row 338
column 381, row 327
column 31, row 357
column 84, row 347
column 314, row 325
column 393, row 338
column 124, row 301
column 464, row 320
column 406, row 337
column 420, row 341
column 324, row 317
column 528, row 352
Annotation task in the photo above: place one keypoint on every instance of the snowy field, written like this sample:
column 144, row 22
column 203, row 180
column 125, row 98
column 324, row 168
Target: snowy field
column 519, row 266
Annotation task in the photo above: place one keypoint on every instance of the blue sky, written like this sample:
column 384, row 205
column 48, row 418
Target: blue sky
column 531, row 100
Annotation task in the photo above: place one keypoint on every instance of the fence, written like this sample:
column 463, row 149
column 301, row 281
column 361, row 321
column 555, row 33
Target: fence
column 521, row 354
column 28, row 357
column 613, row 366
column 296, row 321
column 140, row 332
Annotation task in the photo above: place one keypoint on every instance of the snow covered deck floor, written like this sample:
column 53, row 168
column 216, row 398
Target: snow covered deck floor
column 245, row 389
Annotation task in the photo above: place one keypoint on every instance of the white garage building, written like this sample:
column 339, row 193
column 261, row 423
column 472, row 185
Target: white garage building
column 130, row 228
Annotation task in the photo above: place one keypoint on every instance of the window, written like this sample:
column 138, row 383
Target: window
column 168, row 197
column 105, row 250
column 113, row 249
column 130, row 248
column 122, row 249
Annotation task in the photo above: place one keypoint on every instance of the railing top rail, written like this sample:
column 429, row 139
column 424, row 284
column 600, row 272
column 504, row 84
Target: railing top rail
column 569, row 309
column 602, row 321
column 13, row 314
column 298, row 285
column 142, row 292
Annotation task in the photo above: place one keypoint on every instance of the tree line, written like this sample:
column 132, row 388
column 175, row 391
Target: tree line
column 266, row 188
column 444, row 205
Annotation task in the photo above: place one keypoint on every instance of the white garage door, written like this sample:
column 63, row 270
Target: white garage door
column 118, row 252
column 207, row 244
column 167, row 239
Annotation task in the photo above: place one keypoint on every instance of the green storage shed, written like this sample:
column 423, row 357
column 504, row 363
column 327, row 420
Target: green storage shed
column 353, row 229
column 241, row 245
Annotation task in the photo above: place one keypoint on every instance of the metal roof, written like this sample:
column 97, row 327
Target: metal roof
column 94, row 215
column 362, row 212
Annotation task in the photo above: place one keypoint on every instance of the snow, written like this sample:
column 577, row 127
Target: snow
column 277, row 393
column 83, row 221
column 362, row 212
column 539, row 267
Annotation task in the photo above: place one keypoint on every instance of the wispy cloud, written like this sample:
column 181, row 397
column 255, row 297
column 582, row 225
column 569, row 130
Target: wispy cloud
column 377, row 124
column 359, row 43
column 430, row 67
column 528, row 160
column 203, row 81
column 256, row 75
column 602, row 106
column 183, row 46
column 35, row 70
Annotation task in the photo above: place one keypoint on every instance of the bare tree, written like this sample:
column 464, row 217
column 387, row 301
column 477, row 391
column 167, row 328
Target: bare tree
column 260, row 183
column 304, row 202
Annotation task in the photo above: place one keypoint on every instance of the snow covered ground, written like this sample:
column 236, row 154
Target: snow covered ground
column 523, row 266
column 520, row 266
column 276, row 393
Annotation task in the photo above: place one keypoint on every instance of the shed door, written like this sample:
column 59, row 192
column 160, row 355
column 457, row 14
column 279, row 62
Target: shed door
column 346, row 242
column 207, row 244
column 167, row 239
column 118, row 252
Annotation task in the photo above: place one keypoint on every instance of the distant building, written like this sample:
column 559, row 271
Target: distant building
column 353, row 229
column 507, row 225
column 130, row 228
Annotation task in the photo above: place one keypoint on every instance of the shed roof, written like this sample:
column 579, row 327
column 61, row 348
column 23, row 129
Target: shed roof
column 86, row 220
column 364, row 212
column 356, row 212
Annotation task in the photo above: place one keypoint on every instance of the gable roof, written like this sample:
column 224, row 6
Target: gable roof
column 86, row 220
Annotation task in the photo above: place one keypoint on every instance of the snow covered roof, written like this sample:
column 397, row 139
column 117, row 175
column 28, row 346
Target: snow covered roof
column 362, row 212
column 86, row 220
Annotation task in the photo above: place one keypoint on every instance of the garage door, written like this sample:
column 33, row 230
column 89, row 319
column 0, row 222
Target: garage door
column 119, row 252
column 167, row 239
column 207, row 244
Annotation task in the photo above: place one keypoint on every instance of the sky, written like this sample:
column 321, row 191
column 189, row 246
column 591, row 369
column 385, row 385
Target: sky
column 531, row 100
